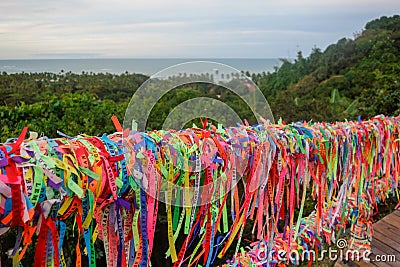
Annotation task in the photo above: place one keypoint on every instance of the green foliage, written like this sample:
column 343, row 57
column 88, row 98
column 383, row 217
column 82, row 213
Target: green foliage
column 34, row 87
column 186, row 92
column 350, row 78
column 384, row 23
column 71, row 113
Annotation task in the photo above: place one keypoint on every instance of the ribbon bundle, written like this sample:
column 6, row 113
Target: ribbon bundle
column 111, row 185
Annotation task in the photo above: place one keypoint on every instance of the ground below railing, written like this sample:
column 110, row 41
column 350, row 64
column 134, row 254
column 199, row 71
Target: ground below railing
column 385, row 245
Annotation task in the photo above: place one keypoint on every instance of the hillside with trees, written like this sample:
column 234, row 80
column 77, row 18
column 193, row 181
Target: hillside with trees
column 353, row 77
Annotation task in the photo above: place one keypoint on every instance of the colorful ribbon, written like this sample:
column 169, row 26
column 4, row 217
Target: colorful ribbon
column 111, row 186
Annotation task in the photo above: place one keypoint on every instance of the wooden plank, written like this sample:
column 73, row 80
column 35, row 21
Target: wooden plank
column 385, row 242
column 340, row 263
column 389, row 227
column 373, row 256
column 389, row 231
column 396, row 212
column 392, row 219
column 355, row 263
column 386, row 263
column 383, row 246
column 362, row 263
column 394, row 244
column 380, row 248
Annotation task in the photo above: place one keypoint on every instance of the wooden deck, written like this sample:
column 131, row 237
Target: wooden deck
column 385, row 242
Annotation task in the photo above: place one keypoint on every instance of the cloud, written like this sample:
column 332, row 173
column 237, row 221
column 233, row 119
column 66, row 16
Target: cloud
column 178, row 28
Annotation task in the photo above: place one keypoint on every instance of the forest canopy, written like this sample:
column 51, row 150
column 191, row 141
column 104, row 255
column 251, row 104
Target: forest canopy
column 354, row 77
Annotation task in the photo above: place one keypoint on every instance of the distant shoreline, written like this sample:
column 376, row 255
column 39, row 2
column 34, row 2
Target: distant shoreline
column 146, row 66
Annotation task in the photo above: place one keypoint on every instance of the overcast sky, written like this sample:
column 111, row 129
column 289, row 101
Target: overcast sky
column 179, row 28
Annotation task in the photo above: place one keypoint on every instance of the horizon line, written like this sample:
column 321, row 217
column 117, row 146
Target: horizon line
column 146, row 58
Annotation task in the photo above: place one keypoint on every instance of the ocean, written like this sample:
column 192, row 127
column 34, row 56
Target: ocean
column 118, row 66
